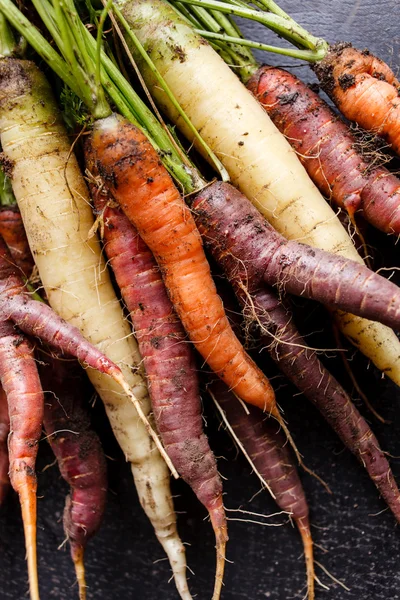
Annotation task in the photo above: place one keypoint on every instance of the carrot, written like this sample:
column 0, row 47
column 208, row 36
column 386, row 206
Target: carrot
column 13, row 233
column 228, row 219
column 268, row 452
column 327, row 149
column 132, row 172
column 20, row 381
column 79, row 455
column 37, row 319
column 259, row 160
column 364, row 89
column 168, row 359
column 235, row 237
column 55, row 208
column 4, row 460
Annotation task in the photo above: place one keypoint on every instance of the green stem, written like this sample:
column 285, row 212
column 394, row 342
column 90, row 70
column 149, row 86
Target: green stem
column 101, row 102
column 308, row 55
column 283, row 26
column 213, row 159
column 133, row 108
column 7, row 41
column 120, row 91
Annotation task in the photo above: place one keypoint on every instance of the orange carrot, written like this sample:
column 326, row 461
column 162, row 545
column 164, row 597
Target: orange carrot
column 135, row 176
column 4, row 461
column 364, row 88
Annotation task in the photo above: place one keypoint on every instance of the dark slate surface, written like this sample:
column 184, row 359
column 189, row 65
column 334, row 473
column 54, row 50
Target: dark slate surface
column 357, row 540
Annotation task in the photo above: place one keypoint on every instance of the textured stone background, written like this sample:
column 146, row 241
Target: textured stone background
column 356, row 544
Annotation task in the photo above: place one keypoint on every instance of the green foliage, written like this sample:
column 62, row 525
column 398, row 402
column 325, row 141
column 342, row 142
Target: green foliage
column 74, row 111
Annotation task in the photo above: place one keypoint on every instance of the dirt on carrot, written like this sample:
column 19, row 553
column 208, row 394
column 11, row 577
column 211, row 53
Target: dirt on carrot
column 364, row 88
column 328, row 150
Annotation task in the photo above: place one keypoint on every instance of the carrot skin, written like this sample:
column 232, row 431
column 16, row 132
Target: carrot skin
column 133, row 173
column 4, row 460
column 20, row 381
column 302, row 366
column 269, row 452
column 79, row 454
column 299, row 363
column 37, row 319
column 168, row 357
column 13, row 233
column 364, row 89
column 228, row 220
column 327, row 149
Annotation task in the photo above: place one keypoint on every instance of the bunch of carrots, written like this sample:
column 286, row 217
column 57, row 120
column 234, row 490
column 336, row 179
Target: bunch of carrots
column 164, row 280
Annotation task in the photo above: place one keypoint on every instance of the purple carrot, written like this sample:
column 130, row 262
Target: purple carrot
column 79, row 455
column 231, row 221
column 13, row 233
column 270, row 454
column 301, row 364
column 168, row 359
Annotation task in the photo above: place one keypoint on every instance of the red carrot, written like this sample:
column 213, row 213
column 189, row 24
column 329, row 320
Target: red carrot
column 21, row 384
column 168, row 359
column 4, row 461
column 13, row 233
column 20, row 381
column 79, row 455
column 230, row 220
column 132, row 171
column 269, row 453
column 364, row 88
column 327, row 149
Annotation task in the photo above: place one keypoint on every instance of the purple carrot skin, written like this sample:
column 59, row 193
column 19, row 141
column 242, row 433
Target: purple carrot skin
column 4, row 461
column 13, row 233
column 21, row 384
column 301, row 365
column 227, row 219
column 79, row 455
column 168, row 359
column 327, row 149
column 270, row 454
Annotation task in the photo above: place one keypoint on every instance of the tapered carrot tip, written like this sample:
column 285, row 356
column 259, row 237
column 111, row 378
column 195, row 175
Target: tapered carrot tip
column 305, row 532
column 26, row 488
column 218, row 522
column 77, row 553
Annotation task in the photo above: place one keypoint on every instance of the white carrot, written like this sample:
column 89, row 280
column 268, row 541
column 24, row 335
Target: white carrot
column 258, row 158
column 55, row 207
